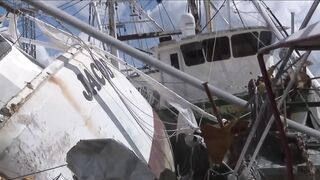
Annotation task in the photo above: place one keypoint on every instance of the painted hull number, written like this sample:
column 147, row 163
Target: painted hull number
column 94, row 80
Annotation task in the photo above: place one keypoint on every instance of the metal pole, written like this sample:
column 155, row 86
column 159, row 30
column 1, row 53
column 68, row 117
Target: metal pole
column 268, row 20
column 310, row 13
column 292, row 22
column 112, row 30
column 98, row 21
column 280, row 36
column 208, row 14
column 219, row 14
column 281, row 102
column 214, row 107
column 292, row 124
column 63, row 16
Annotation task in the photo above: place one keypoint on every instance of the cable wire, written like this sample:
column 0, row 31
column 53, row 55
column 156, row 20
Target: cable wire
column 168, row 15
column 213, row 16
column 38, row 172
column 238, row 13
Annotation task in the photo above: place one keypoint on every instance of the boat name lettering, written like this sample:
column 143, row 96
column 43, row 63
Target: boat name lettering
column 93, row 82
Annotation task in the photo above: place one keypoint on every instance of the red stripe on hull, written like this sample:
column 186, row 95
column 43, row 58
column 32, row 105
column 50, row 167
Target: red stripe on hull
column 161, row 154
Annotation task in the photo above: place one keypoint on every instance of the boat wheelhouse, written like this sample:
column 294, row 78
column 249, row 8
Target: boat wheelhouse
column 226, row 59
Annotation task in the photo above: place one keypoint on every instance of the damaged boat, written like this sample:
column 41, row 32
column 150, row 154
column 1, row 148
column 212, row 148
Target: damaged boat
column 45, row 111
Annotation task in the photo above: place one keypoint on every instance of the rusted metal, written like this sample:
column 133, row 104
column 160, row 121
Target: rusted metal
column 5, row 112
column 276, row 115
column 17, row 101
column 218, row 142
column 214, row 107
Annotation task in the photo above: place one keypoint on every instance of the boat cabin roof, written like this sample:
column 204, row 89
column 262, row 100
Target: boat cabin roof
column 202, row 36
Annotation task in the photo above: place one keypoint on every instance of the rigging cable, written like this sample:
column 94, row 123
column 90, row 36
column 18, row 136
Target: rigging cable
column 38, row 172
column 72, row 4
column 43, row 17
column 80, row 9
column 122, row 96
column 160, row 15
column 13, row 43
column 235, row 6
column 277, row 20
column 213, row 16
column 64, row 4
column 168, row 16
column 255, row 36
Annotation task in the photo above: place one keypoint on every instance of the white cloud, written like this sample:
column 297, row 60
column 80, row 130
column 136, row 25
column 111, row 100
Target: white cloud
column 42, row 56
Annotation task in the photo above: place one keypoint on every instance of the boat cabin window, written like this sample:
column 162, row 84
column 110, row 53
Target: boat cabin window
column 192, row 53
column 245, row 44
column 265, row 39
column 5, row 47
column 216, row 49
column 174, row 60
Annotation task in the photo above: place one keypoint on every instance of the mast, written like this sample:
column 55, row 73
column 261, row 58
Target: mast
column 222, row 17
column 112, row 29
column 96, row 14
column 194, row 11
column 208, row 15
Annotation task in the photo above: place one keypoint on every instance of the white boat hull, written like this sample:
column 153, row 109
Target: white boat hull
column 63, row 105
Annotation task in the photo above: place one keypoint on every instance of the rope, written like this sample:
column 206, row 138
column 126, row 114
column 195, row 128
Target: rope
column 160, row 16
column 235, row 6
column 64, row 4
column 213, row 16
column 71, row 4
column 80, row 9
column 277, row 20
column 168, row 15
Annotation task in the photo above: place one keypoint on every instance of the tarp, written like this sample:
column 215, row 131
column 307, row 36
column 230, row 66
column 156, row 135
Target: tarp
column 106, row 159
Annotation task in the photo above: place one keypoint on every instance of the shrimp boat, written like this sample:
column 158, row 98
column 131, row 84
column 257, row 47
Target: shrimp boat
column 81, row 95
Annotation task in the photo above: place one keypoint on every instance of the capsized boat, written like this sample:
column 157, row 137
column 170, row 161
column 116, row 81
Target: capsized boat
column 46, row 111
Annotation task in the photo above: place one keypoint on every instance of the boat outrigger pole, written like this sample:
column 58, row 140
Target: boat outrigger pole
column 65, row 17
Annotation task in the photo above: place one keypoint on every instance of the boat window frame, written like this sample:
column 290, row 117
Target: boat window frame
column 217, row 46
column 239, row 53
column 189, row 48
column 260, row 45
column 174, row 60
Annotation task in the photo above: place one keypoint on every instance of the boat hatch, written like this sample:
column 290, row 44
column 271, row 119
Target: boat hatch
column 225, row 47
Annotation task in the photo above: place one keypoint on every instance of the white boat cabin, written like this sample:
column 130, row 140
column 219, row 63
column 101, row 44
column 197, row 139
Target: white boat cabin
column 226, row 59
